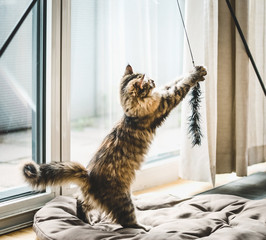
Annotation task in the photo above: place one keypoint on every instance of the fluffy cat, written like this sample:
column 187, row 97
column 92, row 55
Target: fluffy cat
column 105, row 183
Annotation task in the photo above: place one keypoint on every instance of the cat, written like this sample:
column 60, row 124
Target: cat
column 105, row 182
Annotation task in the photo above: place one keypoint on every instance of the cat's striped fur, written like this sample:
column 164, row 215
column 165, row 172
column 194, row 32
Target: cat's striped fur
column 106, row 181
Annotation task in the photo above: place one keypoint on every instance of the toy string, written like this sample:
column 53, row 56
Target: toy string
column 192, row 58
column 194, row 129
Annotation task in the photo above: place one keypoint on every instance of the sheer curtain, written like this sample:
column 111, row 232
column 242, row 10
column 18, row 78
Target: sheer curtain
column 194, row 162
column 234, row 122
column 105, row 37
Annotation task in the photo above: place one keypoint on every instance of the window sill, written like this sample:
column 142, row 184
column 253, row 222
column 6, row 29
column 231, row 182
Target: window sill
column 156, row 173
column 19, row 213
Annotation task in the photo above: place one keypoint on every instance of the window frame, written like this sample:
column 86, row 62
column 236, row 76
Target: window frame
column 18, row 211
column 56, row 19
column 166, row 171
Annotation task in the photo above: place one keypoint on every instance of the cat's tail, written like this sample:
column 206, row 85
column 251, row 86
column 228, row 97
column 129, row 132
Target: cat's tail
column 57, row 173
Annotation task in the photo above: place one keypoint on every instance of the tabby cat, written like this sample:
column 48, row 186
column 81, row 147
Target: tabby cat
column 105, row 183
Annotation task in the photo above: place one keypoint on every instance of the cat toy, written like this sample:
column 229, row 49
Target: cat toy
column 194, row 120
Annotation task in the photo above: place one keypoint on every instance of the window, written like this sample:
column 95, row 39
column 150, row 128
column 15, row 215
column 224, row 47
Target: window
column 59, row 85
column 22, row 111
column 105, row 37
column 20, row 96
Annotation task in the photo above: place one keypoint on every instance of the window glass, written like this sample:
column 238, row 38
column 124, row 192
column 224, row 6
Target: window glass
column 105, row 37
column 20, row 93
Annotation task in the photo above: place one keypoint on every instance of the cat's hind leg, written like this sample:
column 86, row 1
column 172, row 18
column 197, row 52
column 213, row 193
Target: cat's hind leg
column 83, row 210
column 123, row 211
column 88, row 213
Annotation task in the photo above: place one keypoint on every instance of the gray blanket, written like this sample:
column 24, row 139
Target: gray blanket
column 202, row 217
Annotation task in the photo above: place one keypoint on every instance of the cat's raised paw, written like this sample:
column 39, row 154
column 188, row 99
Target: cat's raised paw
column 201, row 71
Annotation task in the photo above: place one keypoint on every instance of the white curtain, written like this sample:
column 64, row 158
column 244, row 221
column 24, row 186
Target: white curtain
column 194, row 161
column 233, row 109
column 106, row 36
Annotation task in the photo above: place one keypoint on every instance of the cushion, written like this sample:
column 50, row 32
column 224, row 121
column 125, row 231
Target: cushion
column 251, row 187
column 212, row 216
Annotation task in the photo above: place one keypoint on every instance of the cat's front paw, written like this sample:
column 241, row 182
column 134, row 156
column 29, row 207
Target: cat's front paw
column 140, row 226
column 199, row 73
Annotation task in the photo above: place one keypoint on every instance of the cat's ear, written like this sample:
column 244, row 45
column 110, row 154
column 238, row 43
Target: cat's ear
column 128, row 70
